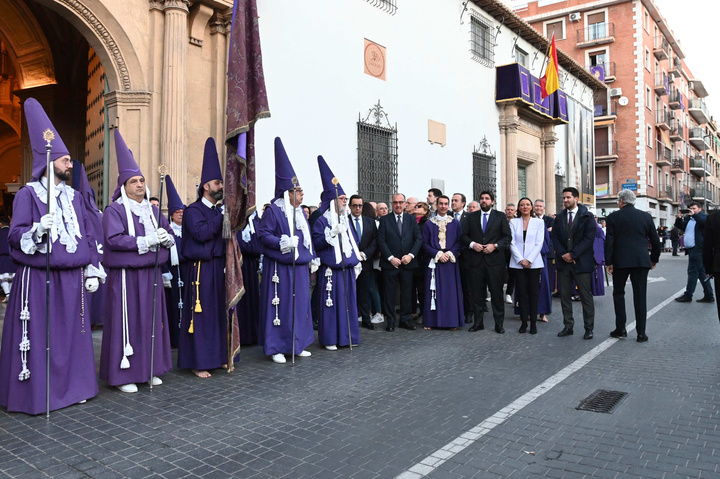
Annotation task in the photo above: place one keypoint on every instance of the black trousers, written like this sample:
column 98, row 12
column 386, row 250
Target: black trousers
column 363, row 284
column 392, row 278
column 566, row 276
column 638, row 278
column 527, row 284
column 482, row 279
column 467, row 291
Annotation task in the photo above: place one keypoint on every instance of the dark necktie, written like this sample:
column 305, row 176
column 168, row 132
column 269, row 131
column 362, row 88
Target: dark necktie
column 570, row 220
column 399, row 223
column 485, row 215
column 357, row 227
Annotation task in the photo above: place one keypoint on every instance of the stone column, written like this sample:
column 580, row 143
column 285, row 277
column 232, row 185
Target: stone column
column 548, row 140
column 219, row 30
column 509, row 122
column 173, row 132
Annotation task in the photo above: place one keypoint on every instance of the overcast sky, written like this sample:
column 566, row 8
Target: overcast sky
column 695, row 23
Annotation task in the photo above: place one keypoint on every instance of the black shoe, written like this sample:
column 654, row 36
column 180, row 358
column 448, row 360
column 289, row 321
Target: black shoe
column 588, row 334
column 407, row 325
column 642, row 338
column 369, row 326
column 684, row 299
column 565, row 332
column 706, row 299
column 533, row 329
column 618, row 333
column 390, row 329
column 575, row 298
column 476, row 327
column 523, row 329
column 500, row 330
column 556, row 295
column 468, row 320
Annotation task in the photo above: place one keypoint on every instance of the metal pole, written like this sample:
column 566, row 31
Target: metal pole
column 342, row 260
column 294, row 250
column 48, row 136
column 162, row 169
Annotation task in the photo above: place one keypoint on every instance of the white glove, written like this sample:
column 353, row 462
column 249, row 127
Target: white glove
column 151, row 239
column 338, row 229
column 287, row 243
column 163, row 236
column 46, row 223
column 167, row 279
column 314, row 265
column 358, row 270
column 91, row 285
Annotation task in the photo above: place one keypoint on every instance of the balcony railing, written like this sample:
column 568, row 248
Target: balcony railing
column 675, row 65
column 698, row 138
column 700, row 167
column 605, row 110
column 663, row 156
column 603, row 71
column 661, row 47
column 663, row 120
column 606, row 150
column 667, row 193
column 677, row 164
column 675, row 99
column 699, row 111
column 677, row 131
column 596, row 33
column 662, row 84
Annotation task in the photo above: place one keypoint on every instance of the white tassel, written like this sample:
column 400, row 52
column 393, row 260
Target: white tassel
column 24, row 319
column 276, row 299
column 431, row 266
column 128, row 350
column 328, row 288
column 124, row 364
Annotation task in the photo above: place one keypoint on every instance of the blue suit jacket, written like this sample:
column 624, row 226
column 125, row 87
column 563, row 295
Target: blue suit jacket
column 392, row 243
column 583, row 237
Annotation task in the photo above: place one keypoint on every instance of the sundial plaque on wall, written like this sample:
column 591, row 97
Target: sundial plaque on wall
column 374, row 59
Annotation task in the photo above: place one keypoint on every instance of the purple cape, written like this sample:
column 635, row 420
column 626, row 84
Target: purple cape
column 248, row 308
column 448, row 312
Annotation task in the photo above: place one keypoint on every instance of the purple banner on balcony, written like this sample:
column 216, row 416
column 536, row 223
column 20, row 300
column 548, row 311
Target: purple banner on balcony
column 680, row 100
column 515, row 83
column 598, row 71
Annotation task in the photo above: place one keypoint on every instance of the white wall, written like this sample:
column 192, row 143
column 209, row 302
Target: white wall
column 313, row 61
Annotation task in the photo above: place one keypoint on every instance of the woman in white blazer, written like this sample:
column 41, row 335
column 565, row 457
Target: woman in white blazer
column 528, row 234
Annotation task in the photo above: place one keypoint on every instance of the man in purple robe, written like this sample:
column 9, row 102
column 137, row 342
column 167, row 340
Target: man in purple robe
column 74, row 269
column 287, row 263
column 134, row 244
column 82, row 185
column 173, row 278
column 443, row 288
column 7, row 267
column 248, row 308
column 339, row 266
column 203, row 331
column 598, row 277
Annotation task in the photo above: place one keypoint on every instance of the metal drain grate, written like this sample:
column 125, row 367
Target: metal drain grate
column 602, row 400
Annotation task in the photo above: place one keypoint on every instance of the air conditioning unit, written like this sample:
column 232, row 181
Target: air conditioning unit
column 575, row 17
column 615, row 92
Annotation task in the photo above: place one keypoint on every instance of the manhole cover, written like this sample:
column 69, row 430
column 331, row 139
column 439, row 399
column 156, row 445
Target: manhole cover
column 602, row 400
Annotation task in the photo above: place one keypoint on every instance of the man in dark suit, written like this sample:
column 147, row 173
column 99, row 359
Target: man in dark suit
column 485, row 236
column 711, row 249
column 628, row 232
column 365, row 232
column 573, row 236
column 399, row 240
column 458, row 211
column 693, row 224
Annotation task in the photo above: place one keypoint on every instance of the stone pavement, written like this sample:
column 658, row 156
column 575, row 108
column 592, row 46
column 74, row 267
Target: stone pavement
column 398, row 397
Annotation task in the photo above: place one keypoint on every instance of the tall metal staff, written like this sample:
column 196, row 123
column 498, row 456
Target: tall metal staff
column 294, row 252
column 162, row 169
column 48, row 136
column 335, row 183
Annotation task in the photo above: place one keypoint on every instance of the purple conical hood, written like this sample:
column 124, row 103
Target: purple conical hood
column 326, row 176
column 174, row 202
column 37, row 122
column 211, row 165
column 284, row 172
column 127, row 166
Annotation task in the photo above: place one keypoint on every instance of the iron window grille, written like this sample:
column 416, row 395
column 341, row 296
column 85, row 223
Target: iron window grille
column 484, row 170
column 389, row 6
column 377, row 156
column 482, row 42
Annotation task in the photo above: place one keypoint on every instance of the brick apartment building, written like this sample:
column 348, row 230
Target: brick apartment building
column 653, row 132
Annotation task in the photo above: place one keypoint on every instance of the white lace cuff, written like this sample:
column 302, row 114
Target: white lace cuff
column 314, row 264
column 169, row 242
column 452, row 257
column 438, row 256
column 142, row 244
column 93, row 272
column 331, row 238
column 285, row 244
column 167, row 276
column 31, row 241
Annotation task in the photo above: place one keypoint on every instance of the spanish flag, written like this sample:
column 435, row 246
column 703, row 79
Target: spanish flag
column 550, row 81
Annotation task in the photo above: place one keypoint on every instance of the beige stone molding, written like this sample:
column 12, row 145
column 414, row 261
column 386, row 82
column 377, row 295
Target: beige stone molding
column 183, row 5
column 199, row 18
column 528, row 156
column 127, row 98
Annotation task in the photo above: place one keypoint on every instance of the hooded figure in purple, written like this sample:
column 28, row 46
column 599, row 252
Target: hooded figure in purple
column 7, row 267
column 336, row 246
column 173, row 279
column 248, row 308
column 287, row 264
column 134, row 241
column 203, row 330
column 82, row 185
column 74, row 270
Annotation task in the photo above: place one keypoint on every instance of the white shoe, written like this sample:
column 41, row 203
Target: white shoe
column 488, row 299
column 305, row 354
column 5, row 299
column 156, row 381
column 279, row 358
column 128, row 388
column 378, row 318
column 329, row 348
column 508, row 299
column 83, row 401
column 359, row 319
